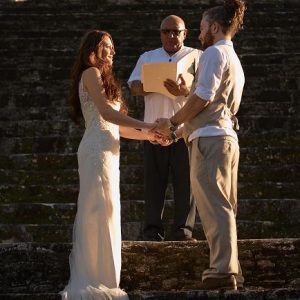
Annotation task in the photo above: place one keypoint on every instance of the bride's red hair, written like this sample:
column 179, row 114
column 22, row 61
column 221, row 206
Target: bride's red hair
column 89, row 44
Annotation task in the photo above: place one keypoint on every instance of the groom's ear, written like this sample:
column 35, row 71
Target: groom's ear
column 215, row 27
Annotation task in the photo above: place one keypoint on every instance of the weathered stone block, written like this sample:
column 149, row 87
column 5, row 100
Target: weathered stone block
column 146, row 265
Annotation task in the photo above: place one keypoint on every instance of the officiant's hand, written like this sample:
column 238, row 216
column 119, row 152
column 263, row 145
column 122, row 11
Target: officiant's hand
column 178, row 88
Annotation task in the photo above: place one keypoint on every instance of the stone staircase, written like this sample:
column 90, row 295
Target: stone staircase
column 38, row 142
column 152, row 270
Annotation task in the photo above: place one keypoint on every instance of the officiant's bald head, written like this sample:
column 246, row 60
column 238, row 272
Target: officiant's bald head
column 172, row 33
column 172, row 19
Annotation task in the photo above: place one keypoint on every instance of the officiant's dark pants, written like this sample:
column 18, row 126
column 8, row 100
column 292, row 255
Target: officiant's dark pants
column 159, row 162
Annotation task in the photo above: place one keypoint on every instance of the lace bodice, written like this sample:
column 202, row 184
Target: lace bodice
column 92, row 117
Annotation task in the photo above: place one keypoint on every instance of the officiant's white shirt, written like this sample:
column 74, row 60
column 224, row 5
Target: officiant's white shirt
column 158, row 105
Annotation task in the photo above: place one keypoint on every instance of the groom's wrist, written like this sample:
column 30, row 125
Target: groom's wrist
column 172, row 125
column 174, row 136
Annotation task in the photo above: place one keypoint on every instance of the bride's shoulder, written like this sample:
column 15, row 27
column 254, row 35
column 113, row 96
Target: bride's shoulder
column 91, row 76
column 91, row 72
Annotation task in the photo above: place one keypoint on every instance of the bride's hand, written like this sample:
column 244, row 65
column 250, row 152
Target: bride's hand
column 157, row 138
column 152, row 137
column 165, row 142
column 150, row 126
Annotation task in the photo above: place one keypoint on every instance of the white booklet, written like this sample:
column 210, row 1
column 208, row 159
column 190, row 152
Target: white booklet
column 154, row 74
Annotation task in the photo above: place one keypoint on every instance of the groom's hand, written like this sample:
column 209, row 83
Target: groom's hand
column 162, row 127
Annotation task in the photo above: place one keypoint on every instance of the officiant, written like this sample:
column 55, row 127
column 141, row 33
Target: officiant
column 171, row 157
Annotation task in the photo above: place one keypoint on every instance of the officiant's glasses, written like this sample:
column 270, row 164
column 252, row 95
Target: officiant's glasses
column 174, row 32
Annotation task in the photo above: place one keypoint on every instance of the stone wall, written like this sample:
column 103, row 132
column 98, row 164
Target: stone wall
column 151, row 266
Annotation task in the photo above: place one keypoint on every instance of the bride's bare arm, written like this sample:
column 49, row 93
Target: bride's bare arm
column 131, row 133
column 93, row 84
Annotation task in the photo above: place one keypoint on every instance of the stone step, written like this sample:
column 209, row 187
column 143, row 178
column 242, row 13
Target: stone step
column 53, row 144
column 61, row 44
column 35, row 296
column 37, row 6
column 54, row 87
column 44, row 72
column 26, row 94
column 39, row 193
column 110, row 12
column 58, row 53
column 41, row 125
column 63, row 128
column 30, row 93
column 257, row 104
column 33, row 128
column 267, row 148
column 58, row 162
column 131, row 174
column 147, row 266
column 133, row 8
column 272, row 210
column 289, row 153
column 75, row 14
column 49, row 233
column 248, row 294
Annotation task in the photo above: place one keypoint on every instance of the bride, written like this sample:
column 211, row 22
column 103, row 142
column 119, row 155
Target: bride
column 96, row 100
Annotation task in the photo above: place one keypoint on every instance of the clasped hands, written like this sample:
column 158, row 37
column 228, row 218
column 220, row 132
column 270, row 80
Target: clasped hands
column 161, row 133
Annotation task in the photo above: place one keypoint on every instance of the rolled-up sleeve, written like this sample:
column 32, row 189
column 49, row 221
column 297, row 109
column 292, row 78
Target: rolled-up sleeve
column 211, row 67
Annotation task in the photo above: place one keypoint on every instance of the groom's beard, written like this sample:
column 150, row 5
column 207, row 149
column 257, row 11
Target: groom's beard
column 208, row 40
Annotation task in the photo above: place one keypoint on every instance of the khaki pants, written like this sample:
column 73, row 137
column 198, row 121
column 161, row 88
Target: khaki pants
column 214, row 168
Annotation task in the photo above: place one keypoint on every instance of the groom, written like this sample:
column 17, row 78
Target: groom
column 209, row 130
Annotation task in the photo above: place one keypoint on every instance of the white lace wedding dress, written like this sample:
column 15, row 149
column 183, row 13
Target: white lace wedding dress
column 95, row 260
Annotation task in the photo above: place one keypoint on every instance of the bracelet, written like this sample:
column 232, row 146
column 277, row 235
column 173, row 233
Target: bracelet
column 174, row 137
column 172, row 127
